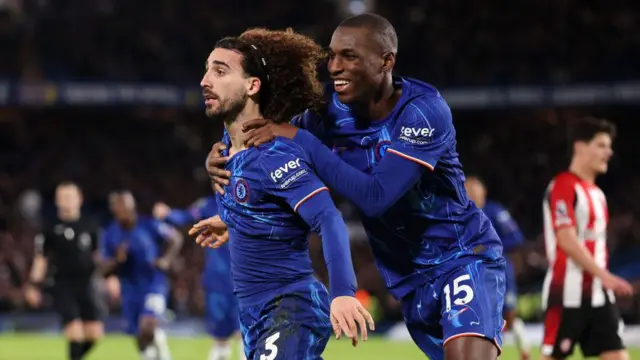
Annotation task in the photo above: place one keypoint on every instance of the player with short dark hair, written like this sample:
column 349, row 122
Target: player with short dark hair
column 512, row 239
column 133, row 249
column 394, row 156
column 221, row 305
column 275, row 200
column 578, row 291
column 69, row 246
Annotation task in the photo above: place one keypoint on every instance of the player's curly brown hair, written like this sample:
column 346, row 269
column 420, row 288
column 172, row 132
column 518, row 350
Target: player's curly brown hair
column 286, row 62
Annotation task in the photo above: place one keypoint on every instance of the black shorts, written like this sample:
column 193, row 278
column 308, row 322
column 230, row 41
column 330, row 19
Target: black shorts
column 77, row 300
column 596, row 329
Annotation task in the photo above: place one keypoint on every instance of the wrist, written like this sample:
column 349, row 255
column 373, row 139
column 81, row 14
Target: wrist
column 339, row 292
column 603, row 273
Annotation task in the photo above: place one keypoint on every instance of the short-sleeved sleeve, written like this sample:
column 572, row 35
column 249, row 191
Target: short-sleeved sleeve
column 107, row 248
column 162, row 231
column 425, row 133
column 287, row 174
column 505, row 226
column 562, row 197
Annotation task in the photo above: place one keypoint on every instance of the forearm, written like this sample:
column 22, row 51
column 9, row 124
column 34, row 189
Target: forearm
column 38, row 269
column 175, row 244
column 108, row 267
column 181, row 218
column 374, row 193
column 323, row 218
column 337, row 255
column 568, row 242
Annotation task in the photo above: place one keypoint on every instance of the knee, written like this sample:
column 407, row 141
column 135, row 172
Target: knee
column 73, row 330
column 470, row 348
column 93, row 330
column 147, row 329
column 615, row 355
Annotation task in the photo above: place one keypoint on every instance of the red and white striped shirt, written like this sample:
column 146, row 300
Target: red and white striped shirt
column 571, row 201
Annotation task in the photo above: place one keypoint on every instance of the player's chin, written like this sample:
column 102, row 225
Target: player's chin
column 603, row 169
column 211, row 112
column 346, row 97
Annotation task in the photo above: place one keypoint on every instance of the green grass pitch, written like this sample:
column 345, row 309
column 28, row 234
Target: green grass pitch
column 45, row 347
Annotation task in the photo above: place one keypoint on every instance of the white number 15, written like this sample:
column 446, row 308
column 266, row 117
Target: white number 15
column 458, row 288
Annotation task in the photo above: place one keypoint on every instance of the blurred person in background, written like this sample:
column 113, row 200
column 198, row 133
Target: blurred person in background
column 578, row 291
column 221, row 306
column 12, row 273
column 68, row 247
column 133, row 248
column 512, row 239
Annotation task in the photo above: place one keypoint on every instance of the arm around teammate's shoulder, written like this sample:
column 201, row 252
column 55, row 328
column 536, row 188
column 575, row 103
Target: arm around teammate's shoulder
column 423, row 135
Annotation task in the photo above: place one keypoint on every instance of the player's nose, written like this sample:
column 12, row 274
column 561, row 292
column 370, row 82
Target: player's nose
column 334, row 66
column 204, row 82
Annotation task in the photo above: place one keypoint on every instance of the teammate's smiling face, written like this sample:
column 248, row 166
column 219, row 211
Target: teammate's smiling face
column 225, row 84
column 356, row 64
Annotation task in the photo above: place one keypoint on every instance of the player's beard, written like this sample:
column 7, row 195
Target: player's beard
column 229, row 108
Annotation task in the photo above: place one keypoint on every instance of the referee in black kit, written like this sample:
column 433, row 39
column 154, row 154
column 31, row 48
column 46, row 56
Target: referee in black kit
column 69, row 245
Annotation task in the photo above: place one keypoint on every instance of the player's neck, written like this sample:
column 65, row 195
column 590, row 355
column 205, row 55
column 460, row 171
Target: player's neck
column 582, row 172
column 381, row 104
column 68, row 216
column 234, row 127
column 129, row 223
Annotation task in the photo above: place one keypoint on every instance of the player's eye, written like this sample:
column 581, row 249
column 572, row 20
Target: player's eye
column 219, row 72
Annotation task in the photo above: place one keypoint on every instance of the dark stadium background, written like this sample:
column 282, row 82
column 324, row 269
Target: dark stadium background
column 105, row 92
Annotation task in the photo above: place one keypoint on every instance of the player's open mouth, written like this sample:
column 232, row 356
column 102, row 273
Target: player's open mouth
column 340, row 85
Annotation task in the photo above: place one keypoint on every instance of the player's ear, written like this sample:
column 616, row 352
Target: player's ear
column 388, row 61
column 253, row 85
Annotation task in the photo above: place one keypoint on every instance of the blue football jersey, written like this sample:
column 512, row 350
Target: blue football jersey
column 145, row 241
column 504, row 224
column 203, row 208
column 216, row 275
column 418, row 228
column 267, row 237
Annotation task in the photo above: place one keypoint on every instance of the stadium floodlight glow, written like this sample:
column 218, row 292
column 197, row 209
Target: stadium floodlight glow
column 357, row 7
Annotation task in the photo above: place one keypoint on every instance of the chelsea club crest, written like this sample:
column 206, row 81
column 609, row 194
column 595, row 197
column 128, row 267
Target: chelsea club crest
column 381, row 148
column 241, row 191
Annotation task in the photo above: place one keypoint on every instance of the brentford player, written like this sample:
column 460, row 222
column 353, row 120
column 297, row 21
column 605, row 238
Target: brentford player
column 578, row 292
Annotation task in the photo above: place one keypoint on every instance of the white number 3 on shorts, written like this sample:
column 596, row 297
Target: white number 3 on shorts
column 463, row 294
column 155, row 303
column 271, row 347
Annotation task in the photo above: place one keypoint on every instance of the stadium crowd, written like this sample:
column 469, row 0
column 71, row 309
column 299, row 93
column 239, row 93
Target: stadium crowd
column 448, row 42
column 159, row 153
